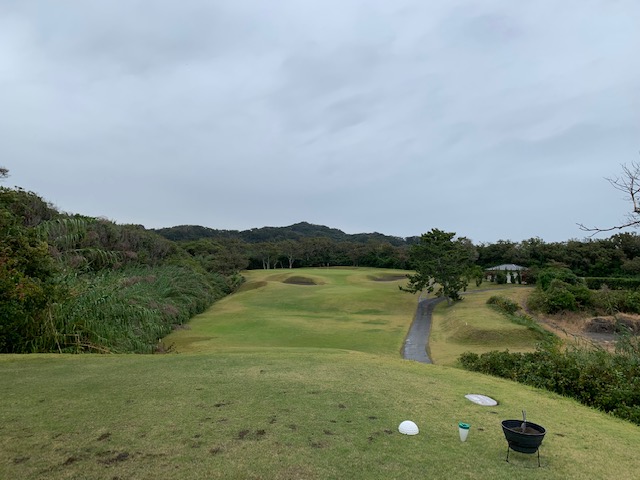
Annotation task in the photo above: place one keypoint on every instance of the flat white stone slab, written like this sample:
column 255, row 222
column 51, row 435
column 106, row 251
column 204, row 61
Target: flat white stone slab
column 481, row 399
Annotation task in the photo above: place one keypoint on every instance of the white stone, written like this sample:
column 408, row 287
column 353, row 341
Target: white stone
column 481, row 399
column 408, row 428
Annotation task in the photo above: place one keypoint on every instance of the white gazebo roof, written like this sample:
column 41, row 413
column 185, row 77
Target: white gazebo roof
column 511, row 267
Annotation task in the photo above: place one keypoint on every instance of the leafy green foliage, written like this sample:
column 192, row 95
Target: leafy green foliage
column 546, row 276
column 559, row 289
column 27, row 277
column 25, row 207
column 441, row 264
column 74, row 283
column 475, row 273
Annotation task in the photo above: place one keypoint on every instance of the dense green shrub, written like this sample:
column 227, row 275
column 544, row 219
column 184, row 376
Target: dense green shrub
column 548, row 275
column 558, row 290
column 583, row 296
column 28, row 275
column 595, row 377
column 499, row 364
column 558, row 297
column 630, row 302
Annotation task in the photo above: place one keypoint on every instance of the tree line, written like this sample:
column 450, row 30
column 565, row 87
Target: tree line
column 76, row 283
column 307, row 245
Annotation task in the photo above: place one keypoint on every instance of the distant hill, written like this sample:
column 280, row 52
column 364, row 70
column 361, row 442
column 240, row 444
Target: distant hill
column 296, row 231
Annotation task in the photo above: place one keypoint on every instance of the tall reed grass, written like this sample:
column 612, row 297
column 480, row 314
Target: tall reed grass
column 128, row 310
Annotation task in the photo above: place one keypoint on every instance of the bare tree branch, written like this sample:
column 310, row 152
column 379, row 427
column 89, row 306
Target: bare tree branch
column 596, row 230
column 629, row 184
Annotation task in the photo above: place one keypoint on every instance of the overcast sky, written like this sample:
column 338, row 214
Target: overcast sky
column 494, row 119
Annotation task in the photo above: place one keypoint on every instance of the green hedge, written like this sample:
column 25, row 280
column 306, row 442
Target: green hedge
column 614, row 283
column 595, row 377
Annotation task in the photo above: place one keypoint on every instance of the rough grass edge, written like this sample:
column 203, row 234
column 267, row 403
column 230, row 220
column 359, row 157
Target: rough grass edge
column 510, row 309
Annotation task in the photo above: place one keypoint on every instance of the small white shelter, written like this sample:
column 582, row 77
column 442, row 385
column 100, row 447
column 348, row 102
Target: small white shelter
column 512, row 271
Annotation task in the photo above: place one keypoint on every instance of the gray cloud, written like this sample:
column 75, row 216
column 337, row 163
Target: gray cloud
column 494, row 119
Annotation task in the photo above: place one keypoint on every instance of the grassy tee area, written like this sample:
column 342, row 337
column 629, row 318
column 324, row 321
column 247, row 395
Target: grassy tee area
column 240, row 401
column 471, row 325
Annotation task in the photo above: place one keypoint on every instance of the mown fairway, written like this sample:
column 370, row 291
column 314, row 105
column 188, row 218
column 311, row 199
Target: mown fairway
column 250, row 406
column 351, row 309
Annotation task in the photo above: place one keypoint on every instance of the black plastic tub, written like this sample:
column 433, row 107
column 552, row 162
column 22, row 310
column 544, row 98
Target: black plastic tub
column 523, row 442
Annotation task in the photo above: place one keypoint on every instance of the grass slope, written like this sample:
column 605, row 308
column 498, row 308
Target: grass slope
column 471, row 325
column 274, row 395
column 284, row 414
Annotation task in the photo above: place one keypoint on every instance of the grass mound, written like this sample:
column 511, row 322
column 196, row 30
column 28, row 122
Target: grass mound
column 299, row 280
column 389, row 277
column 251, row 286
column 490, row 337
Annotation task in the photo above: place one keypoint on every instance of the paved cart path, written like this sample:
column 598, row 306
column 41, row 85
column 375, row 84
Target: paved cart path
column 415, row 345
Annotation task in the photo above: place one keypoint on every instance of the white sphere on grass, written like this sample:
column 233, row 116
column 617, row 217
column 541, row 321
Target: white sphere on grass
column 408, row 428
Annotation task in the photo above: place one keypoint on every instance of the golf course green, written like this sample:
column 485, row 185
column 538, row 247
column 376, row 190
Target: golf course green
column 299, row 375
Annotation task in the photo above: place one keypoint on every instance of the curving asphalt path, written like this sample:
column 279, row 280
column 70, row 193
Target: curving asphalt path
column 415, row 345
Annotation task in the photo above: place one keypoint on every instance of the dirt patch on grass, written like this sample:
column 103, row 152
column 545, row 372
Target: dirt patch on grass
column 119, row 457
column 601, row 330
column 247, row 435
column 216, row 450
column 613, row 324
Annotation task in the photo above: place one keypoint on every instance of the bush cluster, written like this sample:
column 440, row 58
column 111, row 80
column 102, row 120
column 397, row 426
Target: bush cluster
column 560, row 290
column 557, row 290
column 607, row 381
